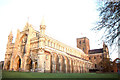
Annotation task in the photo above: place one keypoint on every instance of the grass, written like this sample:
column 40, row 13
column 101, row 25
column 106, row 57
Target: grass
column 12, row 74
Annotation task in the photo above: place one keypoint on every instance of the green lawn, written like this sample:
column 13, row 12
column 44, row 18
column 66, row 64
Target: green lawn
column 11, row 74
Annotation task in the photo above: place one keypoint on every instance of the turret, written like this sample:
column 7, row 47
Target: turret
column 26, row 27
column 10, row 38
column 41, row 52
column 105, row 51
column 83, row 44
column 8, row 53
column 42, row 27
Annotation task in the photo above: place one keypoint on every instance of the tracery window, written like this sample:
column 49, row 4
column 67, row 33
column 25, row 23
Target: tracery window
column 23, row 44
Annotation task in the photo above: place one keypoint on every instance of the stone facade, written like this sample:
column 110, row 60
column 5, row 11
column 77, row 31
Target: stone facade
column 35, row 51
column 95, row 55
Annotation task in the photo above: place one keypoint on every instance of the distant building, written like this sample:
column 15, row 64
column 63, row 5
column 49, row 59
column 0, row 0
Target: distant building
column 95, row 55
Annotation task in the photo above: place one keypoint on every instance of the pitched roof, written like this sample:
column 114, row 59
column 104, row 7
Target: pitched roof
column 94, row 51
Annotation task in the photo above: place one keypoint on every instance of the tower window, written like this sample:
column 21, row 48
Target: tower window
column 84, row 41
column 89, row 58
column 95, row 66
column 36, row 35
column 83, row 49
column 80, row 42
column 94, row 57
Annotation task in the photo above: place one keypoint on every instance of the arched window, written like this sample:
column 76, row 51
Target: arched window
column 94, row 57
column 80, row 42
column 30, row 65
column 84, row 41
column 8, row 65
column 89, row 58
column 19, row 62
column 95, row 65
column 23, row 44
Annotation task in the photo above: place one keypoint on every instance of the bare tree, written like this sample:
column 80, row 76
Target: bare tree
column 109, row 22
column 106, row 65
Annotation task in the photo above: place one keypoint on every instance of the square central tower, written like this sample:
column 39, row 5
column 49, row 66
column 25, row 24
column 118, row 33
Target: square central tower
column 83, row 44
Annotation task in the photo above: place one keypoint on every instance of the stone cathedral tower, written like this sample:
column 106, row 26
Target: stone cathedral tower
column 95, row 55
column 41, row 52
column 83, row 44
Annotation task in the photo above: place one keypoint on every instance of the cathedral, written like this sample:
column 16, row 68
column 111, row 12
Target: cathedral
column 37, row 52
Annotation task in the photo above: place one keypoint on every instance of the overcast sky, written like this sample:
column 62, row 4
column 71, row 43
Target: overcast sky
column 66, row 20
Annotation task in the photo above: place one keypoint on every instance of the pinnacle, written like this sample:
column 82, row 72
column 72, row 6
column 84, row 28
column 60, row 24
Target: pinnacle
column 42, row 22
column 10, row 32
